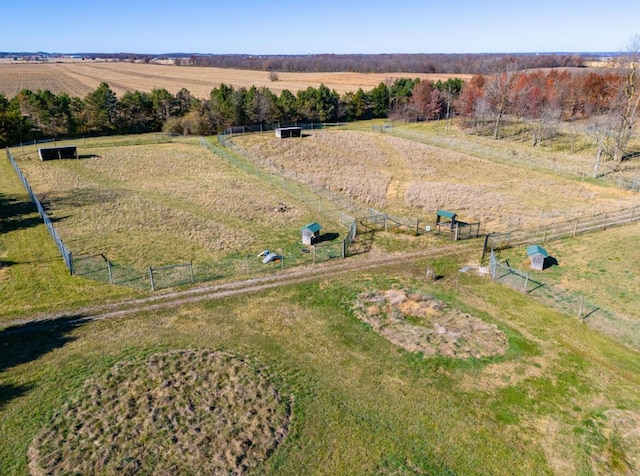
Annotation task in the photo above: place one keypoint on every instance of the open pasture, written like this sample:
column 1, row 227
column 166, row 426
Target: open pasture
column 415, row 179
column 80, row 78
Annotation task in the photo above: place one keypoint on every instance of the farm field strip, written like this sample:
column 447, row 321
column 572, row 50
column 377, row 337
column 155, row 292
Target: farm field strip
column 81, row 78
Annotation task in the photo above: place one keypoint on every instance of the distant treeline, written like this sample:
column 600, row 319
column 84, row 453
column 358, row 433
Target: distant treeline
column 356, row 63
column 386, row 63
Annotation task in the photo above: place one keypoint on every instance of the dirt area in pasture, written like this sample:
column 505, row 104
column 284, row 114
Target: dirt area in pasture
column 180, row 412
column 421, row 323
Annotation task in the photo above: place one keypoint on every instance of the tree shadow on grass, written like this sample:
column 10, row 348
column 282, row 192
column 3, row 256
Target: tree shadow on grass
column 24, row 343
column 17, row 212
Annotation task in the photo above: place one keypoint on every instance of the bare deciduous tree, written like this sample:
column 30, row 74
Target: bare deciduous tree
column 625, row 109
column 599, row 129
column 497, row 92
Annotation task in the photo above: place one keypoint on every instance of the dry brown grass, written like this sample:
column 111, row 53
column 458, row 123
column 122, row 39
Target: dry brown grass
column 419, row 323
column 81, row 78
column 412, row 178
column 158, row 204
column 181, row 412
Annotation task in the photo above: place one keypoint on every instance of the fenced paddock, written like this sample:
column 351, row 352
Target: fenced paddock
column 568, row 303
column 171, row 275
column 572, row 304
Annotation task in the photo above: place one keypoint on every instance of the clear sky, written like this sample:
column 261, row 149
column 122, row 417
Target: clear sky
column 318, row 26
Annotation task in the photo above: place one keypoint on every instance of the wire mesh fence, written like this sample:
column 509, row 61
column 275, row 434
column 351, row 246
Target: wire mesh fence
column 573, row 304
column 569, row 303
column 64, row 251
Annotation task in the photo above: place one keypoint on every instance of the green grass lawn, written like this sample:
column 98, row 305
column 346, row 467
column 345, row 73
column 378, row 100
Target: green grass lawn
column 361, row 405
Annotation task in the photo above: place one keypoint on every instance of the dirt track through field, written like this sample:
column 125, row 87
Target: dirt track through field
column 400, row 172
column 229, row 289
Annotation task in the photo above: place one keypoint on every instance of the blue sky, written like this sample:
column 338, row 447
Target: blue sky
column 328, row 26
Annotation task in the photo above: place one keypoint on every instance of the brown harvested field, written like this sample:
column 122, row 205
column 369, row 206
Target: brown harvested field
column 411, row 178
column 80, row 78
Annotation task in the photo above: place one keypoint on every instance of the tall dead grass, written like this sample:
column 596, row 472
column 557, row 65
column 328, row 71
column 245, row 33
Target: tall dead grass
column 180, row 412
column 419, row 323
column 499, row 195
column 158, row 204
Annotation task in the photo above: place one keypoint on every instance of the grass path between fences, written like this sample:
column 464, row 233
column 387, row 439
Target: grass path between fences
column 246, row 286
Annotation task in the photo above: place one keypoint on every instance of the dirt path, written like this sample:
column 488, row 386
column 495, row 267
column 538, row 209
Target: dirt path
column 219, row 291
column 401, row 174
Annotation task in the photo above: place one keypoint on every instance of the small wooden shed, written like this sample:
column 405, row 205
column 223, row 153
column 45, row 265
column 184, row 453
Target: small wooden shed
column 310, row 233
column 444, row 217
column 537, row 254
column 286, row 132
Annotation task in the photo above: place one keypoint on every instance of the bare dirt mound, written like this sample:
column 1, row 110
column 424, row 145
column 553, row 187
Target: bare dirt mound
column 420, row 323
column 180, row 412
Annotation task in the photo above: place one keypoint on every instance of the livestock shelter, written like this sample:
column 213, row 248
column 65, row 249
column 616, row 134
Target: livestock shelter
column 286, row 132
column 58, row 153
column 443, row 217
column 537, row 255
column 310, row 233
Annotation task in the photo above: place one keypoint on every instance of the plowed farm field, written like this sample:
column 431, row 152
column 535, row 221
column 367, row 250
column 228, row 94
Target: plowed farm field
column 81, row 77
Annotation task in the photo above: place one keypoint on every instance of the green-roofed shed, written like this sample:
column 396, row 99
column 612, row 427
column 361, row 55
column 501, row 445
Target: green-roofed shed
column 537, row 254
column 446, row 217
column 310, row 233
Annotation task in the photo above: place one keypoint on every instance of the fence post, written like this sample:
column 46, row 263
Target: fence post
column 153, row 286
column 484, row 249
column 191, row 269
column 526, row 282
column 575, row 227
column 580, row 308
column 314, row 254
column 109, row 269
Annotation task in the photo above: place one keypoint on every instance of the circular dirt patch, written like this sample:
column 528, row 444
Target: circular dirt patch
column 180, row 412
column 421, row 323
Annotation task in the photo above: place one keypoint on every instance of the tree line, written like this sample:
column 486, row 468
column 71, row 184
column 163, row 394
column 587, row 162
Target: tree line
column 42, row 114
column 385, row 63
